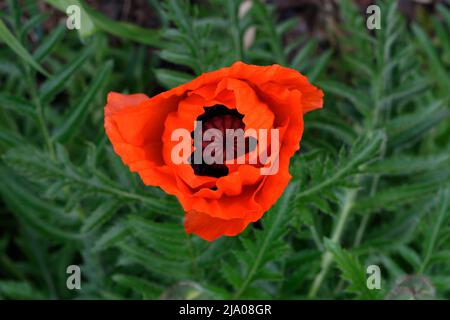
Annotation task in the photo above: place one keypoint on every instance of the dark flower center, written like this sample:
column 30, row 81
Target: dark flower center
column 221, row 118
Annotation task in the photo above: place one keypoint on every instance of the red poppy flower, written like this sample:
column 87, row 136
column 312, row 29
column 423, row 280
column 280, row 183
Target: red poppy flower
column 218, row 199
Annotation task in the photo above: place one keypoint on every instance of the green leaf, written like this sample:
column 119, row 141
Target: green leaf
column 41, row 168
column 357, row 98
column 57, row 82
column 77, row 114
column 10, row 138
column 407, row 128
column 49, row 43
column 266, row 240
column 177, row 58
column 27, row 206
column 445, row 12
column 8, row 38
column 148, row 289
column 19, row 290
column 441, row 76
column 32, row 23
column 100, row 216
column 394, row 196
column 268, row 28
column 123, row 30
column 407, row 164
column 409, row 90
column 351, row 271
column 442, row 213
column 319, row 65
column 111, row 237
column 168, row 239
column 17, row 104
column 302, row 54
column 154, row 262
column 335, row 126
column 363, row 151
column 231, row 274
column 171, row 78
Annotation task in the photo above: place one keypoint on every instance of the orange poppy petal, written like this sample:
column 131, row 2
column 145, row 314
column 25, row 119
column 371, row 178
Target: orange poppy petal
column 274, row 185
column 210, row 228
column 287, row 106
column 133, row 125
column 233, row 183
column 225, row 206
column 117, row 101
column 289, row 78
column 257, row 115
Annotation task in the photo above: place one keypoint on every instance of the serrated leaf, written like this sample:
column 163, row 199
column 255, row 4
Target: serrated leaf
column 231, row 274
column 351, row 270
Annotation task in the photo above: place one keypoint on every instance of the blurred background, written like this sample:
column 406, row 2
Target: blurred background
column 370, row 184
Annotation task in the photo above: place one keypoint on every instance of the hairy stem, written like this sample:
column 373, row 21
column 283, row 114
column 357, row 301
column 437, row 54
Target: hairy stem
column 327, row 257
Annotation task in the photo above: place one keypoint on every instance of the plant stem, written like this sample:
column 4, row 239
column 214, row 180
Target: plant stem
column 316, row 237
column 327, row 257
column 365, row 219
column 361, row 229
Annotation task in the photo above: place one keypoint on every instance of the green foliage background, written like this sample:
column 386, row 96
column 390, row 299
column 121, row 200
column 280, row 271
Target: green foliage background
column 370, row 186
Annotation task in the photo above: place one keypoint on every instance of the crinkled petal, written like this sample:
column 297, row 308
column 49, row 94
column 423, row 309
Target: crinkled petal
column 210, row 228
